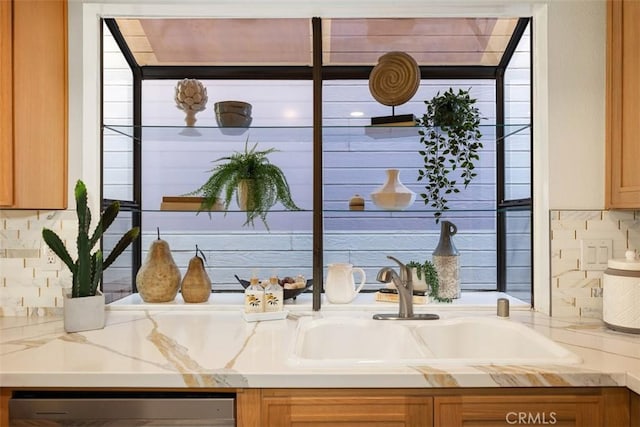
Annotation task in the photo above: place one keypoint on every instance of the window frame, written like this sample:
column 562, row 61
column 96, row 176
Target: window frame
column 319, row 73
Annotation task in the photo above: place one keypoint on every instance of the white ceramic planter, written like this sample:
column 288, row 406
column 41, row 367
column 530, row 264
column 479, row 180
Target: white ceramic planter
column 418, row 284
column 84, row 313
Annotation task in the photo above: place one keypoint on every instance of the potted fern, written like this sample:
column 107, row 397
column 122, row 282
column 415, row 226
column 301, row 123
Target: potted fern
column 450, row 133
column 84, row 307
column 257, row 183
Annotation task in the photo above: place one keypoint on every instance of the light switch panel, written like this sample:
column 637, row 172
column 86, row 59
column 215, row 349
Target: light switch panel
column 595, row 254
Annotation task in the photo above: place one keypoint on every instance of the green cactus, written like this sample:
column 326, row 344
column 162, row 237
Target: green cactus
column 87, row 269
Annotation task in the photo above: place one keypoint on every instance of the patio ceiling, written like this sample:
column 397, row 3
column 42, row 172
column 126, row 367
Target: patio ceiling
column 288, row 42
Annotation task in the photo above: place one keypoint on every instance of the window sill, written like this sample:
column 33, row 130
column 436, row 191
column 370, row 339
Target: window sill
column 364, row 301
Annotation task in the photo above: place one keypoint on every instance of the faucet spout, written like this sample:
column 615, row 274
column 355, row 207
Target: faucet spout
column 404, row 284
column 385, row 275
column 405, row 272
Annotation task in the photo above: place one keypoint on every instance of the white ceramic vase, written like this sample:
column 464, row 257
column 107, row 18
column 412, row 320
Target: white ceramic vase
column 393, row 195
column 83, row 313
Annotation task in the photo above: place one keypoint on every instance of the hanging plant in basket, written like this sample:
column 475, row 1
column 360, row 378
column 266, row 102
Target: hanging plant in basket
column 450, row 135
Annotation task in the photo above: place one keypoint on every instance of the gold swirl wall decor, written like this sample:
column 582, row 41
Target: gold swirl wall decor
column 395, row 79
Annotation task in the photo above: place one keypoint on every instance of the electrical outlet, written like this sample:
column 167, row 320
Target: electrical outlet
column 596, row 292
column 50, row 256
column 595, row 254
column 49, row 261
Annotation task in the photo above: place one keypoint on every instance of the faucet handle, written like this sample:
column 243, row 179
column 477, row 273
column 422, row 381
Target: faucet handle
column 405, row 273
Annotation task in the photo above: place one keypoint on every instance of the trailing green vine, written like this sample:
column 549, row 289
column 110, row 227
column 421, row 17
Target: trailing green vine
column 430, row 277
column 450, row 134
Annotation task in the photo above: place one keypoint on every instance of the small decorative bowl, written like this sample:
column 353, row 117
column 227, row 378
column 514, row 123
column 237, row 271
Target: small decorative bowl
column 238, row 107
column 233, row 120
column 288, row 293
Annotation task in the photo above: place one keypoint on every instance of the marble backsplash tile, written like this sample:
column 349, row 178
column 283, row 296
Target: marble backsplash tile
column 31, row 276
column 574, row 291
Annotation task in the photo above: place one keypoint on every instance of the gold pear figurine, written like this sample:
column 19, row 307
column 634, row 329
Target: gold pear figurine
column 196, row 285
column 158, row 279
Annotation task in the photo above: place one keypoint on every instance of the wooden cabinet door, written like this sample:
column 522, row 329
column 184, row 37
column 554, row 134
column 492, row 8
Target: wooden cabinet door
column 346, row 408
column 508, row 410
column 6, row 105
column 634, row 409
column 5, row 395
column 39, row 105
column 623, row 104
column 576, row 408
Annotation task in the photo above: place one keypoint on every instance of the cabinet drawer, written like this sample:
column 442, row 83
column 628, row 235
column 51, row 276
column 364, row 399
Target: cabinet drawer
column 503, row 410
column 347, row 409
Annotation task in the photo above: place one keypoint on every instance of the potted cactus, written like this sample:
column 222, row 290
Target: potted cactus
column 84, row 307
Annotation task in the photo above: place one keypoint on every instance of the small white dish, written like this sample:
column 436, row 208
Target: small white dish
column 268, row 315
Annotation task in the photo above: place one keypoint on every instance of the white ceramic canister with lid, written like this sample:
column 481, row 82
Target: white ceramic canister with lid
column 621, row 294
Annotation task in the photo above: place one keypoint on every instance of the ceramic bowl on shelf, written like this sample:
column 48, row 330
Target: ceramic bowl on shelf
column 288, row 293
column 233, row 120
column 233, row 114
column 237, row 107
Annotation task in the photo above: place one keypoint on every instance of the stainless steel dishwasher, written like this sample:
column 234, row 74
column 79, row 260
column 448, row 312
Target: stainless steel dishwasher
column 120, row 409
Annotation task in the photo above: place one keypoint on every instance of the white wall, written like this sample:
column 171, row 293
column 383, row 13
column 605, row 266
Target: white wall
column 569, row 60
column 576, row 63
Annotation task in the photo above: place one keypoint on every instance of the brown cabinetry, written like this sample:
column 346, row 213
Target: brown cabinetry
column 575, row 408
column 5, row 395
column 557, row 406
column 346, row 407
column 623, row 105
column 634, row 409
column 33, row 104
column 6, row 105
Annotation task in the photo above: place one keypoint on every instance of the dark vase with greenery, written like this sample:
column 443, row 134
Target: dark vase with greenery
column 450, row 135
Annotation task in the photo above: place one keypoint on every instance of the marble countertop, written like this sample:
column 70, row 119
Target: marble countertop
column 210, row 345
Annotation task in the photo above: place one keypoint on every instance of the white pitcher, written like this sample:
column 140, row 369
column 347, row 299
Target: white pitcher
column 340, row 286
